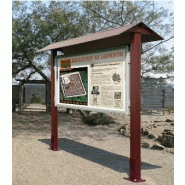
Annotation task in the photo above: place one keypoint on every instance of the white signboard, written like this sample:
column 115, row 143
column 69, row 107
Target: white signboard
column 95, row 82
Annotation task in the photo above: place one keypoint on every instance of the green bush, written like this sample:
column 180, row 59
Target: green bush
column 98, row 119
column 35, row 99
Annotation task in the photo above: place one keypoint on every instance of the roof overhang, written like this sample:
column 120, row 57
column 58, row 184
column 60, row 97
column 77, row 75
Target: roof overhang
column 105, row 39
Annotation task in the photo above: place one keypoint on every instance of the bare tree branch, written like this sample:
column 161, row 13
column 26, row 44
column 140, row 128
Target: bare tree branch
column 39, row 71
column 92, row 10
column 36, row 69
column 23, row 68
column 122, row 11
column 157, row 44
column 128, row 15
column 28, row 77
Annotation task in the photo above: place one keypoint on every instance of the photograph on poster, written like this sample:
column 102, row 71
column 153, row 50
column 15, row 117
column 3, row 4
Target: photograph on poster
column 73, row 86
column 65, row 65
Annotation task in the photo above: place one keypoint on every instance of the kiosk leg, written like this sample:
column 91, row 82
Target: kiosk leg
column 135, row 108
column 54, row 112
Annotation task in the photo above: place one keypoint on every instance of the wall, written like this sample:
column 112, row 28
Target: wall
column 153, row 97
column 38, row 90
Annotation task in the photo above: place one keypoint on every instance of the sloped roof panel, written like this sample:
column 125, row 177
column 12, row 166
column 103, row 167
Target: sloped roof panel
column 104, row 34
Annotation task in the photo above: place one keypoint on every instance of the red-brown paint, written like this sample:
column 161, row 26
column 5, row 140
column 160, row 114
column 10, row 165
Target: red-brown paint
column 54, row 112
column 135, row 108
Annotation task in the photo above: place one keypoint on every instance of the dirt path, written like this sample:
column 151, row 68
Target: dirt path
column 88, row 156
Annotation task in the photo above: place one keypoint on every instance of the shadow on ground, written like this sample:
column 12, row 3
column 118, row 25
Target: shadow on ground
column 110, row 160
column 68, row 126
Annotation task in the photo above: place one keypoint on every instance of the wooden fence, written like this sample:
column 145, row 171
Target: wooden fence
column 157, row 98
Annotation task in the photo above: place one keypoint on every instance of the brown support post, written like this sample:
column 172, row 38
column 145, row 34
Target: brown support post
column 46, row 100
column 135, row 108
column 54, row 112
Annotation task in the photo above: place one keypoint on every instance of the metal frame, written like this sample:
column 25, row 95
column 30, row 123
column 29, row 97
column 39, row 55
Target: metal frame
column 135, row 108
column 54, row 111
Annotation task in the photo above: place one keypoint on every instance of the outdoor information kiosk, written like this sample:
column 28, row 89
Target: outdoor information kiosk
column 101, row 72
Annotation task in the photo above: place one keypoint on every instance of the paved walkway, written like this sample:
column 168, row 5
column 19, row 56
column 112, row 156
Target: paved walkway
column 35, row 107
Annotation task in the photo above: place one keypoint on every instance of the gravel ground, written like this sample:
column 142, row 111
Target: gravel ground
column 88, row 155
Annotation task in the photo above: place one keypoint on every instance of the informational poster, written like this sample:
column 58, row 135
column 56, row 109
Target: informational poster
column 106, row 84
column 73, row 86
column 94, row 82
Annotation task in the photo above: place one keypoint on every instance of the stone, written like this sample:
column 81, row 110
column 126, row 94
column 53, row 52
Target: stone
column 157, row 120
column 171, row 133
column 125, row 130
column 145, row 145
column 167, row 130
column 145, row 132
column 124, row 127
column 121, row 130
column 167, row 140
column 152, row 136
column 154, row 125
column 169, row 120
column 159, row 138
column 171, row 150
column 158, row 146
column 125, row 133
column 149, row 132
